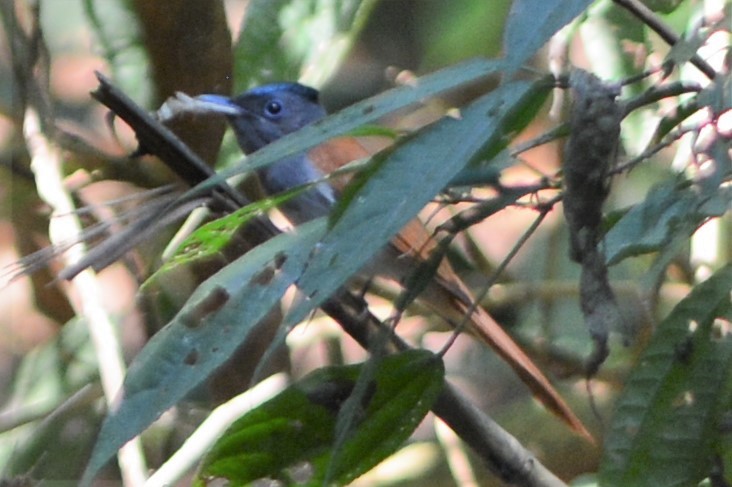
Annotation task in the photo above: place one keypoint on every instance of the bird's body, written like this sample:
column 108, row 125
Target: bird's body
column 262, row 115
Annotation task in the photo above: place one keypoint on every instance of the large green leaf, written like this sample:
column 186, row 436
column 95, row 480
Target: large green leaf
column 358, row 115
column 214, row 322
column 299, row 426
column 379, row 204
column 666, row 423
column 524, row 35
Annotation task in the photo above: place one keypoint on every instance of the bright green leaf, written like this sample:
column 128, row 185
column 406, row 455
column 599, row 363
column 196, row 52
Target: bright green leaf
column 297, row 428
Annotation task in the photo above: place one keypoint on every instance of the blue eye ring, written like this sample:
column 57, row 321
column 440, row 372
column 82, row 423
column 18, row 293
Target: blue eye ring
column 273, row 108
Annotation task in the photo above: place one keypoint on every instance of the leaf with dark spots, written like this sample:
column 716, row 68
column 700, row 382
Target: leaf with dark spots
column 209, row 304
column 280, row 260
column 191, row 358
column 162, row 373
column 264, row 276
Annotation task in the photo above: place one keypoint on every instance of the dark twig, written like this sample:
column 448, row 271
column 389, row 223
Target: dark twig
column 666, row 33
column 486, row 208
column 659, row 93
column 651, row 151
column 155, row 139
column 480, row 296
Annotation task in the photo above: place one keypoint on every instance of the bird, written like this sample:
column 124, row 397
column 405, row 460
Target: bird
column 266, row 113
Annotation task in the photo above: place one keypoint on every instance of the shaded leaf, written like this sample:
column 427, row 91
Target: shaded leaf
column 216, row 319
column 686, row 48
column 296, row 430
column 436, row 154
column 666, row 212
column 357, row 115
column 665, row 425
column 524, row 35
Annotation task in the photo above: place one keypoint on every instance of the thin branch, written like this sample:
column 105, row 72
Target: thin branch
column 486, row 208
column 659, row 93
column 14, row 417
column 193, row 449
column 46, row 165
column 549, row 136
column 666, row 33
column 651, row 151
column 485, row 288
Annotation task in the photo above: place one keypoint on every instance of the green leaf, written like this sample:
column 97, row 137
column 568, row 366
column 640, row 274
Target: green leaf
column 524, row 35
column 213, row 245
column 651, row 224
column 210, row 241
column 296, row 430
column 686, row 48
column 517, row 119
column 672, row 211
column 357, row 115
column 665, row 424
column 217, row 318
column 303, row 40
column 436, row 154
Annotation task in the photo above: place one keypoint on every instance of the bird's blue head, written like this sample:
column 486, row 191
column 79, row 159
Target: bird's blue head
column 264, row 114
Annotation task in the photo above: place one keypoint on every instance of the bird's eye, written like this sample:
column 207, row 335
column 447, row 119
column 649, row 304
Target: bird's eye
column 273, row 107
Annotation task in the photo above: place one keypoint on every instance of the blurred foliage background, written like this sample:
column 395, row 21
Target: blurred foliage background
column 50, row 395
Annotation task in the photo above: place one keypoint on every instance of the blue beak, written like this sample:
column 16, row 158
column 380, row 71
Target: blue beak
column 219, row 104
